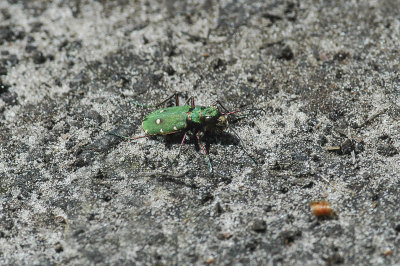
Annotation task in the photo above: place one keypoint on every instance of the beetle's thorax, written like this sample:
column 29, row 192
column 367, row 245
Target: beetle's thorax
column 203, row 115
column 209, row 118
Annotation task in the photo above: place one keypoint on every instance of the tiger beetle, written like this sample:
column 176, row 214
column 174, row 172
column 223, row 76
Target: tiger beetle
column 199, row 120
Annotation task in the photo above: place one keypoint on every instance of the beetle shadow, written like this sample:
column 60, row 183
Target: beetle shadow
column 222, row 138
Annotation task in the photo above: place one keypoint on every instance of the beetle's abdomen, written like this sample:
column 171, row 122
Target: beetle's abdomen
column 166, row 121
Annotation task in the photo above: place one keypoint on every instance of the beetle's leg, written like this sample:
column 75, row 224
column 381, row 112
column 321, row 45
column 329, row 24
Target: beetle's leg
column 191, row 100
column 176, row 95
column 205, row 153
column 180, row 147
column 220, row 104
column 176, row 99
column 243, row 147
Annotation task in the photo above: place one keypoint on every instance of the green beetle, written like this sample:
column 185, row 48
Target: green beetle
column 197, row 119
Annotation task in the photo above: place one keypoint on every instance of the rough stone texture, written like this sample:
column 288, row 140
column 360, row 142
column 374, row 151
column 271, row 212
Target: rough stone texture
column 326, row 74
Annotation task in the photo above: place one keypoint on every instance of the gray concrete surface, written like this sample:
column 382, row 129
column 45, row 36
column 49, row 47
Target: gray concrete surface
column 326, row 74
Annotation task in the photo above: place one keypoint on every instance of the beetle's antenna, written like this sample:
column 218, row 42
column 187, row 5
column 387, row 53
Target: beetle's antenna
column 231, row 113
column 243, row 111
column 226, row 110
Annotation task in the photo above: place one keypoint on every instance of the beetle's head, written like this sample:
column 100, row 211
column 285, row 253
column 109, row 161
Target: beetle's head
column 214, row 119
column 222, row 122
column 216, row 123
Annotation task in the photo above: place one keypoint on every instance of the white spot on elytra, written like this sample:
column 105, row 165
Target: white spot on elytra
column 162, row 111
column 158, row 121
column 162, row 131
column 146, row 131
column 175, row 128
